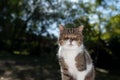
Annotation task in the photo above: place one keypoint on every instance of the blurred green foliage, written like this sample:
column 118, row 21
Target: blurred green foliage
column 25, row 25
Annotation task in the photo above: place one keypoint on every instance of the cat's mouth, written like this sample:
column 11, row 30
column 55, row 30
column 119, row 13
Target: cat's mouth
column 71, row 44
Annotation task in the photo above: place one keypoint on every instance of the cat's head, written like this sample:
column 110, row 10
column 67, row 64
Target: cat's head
column 70, row 37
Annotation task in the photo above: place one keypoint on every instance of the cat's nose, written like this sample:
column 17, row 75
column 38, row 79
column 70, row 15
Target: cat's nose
column 71, row 41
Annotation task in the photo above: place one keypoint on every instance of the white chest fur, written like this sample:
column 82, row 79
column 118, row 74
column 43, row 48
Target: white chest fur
column 69, row 57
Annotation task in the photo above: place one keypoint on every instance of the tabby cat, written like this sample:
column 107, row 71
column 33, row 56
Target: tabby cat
column 75, row 61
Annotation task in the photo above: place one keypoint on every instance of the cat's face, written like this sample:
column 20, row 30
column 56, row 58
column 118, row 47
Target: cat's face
column 70, row 37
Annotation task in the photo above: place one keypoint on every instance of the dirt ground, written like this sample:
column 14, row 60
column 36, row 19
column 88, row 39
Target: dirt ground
column 34, row 68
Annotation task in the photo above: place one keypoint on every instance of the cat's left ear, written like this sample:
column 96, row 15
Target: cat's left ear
column 61, row 27
column 80, row 28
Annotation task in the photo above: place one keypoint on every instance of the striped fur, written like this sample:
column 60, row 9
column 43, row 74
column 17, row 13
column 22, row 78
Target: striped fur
column 72, row 34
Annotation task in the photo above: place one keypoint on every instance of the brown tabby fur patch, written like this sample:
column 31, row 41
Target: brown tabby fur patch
column 82, row 59
column 80, row 62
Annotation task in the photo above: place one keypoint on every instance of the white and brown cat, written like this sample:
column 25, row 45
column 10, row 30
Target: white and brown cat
column 75, row 61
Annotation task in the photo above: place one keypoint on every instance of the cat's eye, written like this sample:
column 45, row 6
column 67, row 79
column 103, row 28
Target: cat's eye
column 73, row 39
column 65, row 38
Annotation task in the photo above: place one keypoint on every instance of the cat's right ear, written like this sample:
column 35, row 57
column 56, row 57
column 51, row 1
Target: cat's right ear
column 80, row 28
column 61, row 28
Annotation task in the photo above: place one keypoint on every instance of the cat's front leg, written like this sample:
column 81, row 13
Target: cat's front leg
column 90, row 75
column 64, row 70
column 66, row 75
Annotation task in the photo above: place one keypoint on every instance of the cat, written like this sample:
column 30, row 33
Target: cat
column 75, row 61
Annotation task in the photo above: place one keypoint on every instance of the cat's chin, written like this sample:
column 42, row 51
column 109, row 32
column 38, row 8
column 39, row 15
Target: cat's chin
column 70, row 47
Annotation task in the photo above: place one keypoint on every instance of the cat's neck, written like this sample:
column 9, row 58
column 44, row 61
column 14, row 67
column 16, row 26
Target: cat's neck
column 78, row 49
column 69, row 48
column 70, row 53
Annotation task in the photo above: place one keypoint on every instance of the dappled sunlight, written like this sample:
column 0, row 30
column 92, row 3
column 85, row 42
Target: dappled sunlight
column 29, row 69
column 29, row 32
column 25, row 70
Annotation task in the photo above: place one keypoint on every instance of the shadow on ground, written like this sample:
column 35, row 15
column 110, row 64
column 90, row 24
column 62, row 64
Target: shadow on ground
column 35, row 68
column 27, row 68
